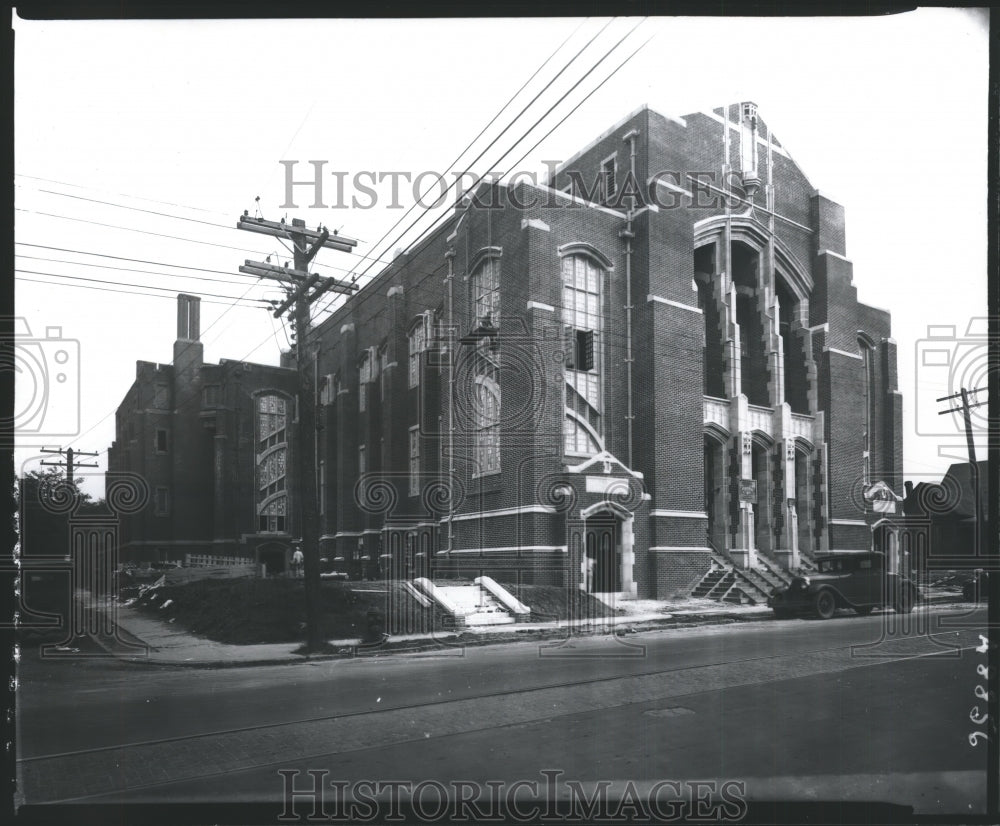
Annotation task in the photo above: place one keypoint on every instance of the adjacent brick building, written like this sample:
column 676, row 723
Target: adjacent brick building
column 215, row 444
column 603, row 381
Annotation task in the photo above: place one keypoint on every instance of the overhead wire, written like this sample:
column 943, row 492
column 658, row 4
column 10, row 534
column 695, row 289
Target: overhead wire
column 375, row 260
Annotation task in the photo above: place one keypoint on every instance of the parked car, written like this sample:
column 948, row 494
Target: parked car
column 857, row 580
column 975, row 589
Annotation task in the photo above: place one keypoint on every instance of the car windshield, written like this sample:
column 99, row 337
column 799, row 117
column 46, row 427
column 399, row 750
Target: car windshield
column 829, row 566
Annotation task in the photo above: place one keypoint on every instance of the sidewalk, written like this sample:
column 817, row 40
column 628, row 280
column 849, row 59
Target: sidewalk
column 142, row 639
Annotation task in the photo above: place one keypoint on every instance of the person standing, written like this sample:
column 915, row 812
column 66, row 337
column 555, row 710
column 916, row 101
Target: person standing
column 297, row 560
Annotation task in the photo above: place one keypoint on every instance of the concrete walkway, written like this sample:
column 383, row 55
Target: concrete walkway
column 143, row 639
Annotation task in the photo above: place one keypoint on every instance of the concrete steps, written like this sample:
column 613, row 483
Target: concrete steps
column 484, row 602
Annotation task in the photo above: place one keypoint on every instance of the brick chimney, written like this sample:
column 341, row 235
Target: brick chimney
column 188, row 349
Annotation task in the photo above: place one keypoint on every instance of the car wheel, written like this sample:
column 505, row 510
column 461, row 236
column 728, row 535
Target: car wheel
column 904, row 603
column 825, row 604
column 864, row 610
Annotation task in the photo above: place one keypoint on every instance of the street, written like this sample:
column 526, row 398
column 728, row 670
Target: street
column 794, row 710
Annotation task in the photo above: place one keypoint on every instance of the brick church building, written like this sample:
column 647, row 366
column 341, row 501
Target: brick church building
column 653, row 363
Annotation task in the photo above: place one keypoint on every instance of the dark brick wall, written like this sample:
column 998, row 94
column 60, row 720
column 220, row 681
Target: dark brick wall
column 527, row 231
column 675, row 573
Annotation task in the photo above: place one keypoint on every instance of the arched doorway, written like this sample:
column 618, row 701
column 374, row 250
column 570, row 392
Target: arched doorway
column 803, row 498
column 715, row 488
column 603, row 547
column 761, row 472
column 273, row 559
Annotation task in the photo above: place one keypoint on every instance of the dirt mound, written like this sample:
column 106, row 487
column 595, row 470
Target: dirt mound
column 250, row 611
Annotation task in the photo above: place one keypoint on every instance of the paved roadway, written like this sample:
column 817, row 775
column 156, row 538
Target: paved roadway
column 797, row 709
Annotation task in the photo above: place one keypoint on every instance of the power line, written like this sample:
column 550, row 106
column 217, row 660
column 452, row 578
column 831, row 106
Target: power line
column 126, row 284
column 131, row 269
column 434, row 225
column 495, row 140
column 119, row 194
column 148, row 261
column 111, row 290
column 178, row 237
column 524, row 135
column 134, row 209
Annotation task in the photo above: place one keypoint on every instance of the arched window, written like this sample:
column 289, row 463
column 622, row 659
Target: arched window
column 579, row 438
column 486, row 419
column 867, row 349
column 583, row 317
column 272, row 455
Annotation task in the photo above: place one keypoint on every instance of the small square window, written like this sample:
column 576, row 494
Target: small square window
column 161, row 440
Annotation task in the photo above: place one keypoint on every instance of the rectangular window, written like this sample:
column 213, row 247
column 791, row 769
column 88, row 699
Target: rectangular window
column 161, row 440
column 162, row 503
column 608, row 178
column 362, row 461
column 414, row 461
column 362, row 397
column 161, row 397
column 485, row 290
column 583, row 355
column 383, row 363
column 327, row 394
column 418, row 342
column 210, row 395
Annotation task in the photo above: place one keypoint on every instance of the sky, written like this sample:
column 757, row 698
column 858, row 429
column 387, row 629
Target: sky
column 139, row 143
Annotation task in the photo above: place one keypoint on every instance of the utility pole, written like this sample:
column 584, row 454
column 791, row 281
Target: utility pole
column 966, row 408
column 69, row 464
column 993, row 652
column 303, row 289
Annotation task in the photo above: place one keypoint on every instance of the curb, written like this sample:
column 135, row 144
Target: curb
column 469, row 639
column 462, row 640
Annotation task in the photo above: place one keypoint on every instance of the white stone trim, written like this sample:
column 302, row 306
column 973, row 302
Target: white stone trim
column 537, row 305
column 393, row 291
column 679, row 514
column 671, row 548
column 835, row 255
column 670, row 186
column 598, row 139
column 347, row 328
column 734, row 127
column 650, row 298
column 535, row 223
column 460, row 517
column 842, row 353
column 576, row 199
column 858, row 523
column 347, row 534
column 534, row 548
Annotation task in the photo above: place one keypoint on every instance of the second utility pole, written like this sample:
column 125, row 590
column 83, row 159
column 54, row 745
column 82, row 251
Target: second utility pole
column 304, row 290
